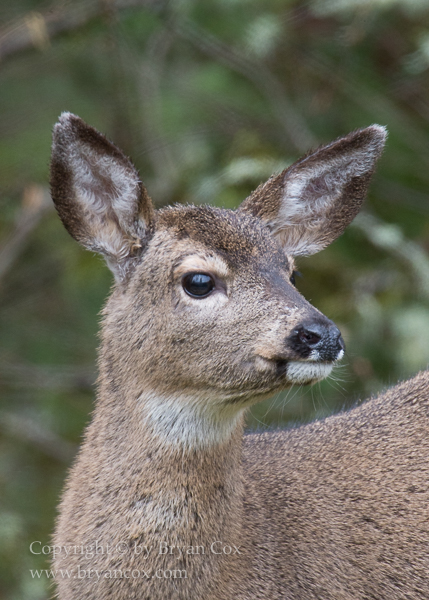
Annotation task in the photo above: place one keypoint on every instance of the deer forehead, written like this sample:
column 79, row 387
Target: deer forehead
column 208, row 238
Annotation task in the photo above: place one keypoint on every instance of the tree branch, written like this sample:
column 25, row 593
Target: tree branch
column 28, row 430
column 391, row 239
column 282, row 108
column 36, row 30
column 35, row 202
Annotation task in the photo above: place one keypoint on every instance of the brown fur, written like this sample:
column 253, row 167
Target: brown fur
column 351, row 504
column 336, row 509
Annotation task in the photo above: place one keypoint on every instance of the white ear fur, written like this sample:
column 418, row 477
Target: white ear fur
column 98, row 194
column 311, row 203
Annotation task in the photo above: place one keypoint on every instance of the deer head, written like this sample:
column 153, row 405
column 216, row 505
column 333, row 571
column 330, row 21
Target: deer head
column 204, row 310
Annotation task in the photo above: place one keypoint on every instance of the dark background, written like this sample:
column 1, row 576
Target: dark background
column 209, row 99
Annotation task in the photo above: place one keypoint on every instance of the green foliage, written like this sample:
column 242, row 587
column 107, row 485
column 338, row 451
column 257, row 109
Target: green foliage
column 209, row 98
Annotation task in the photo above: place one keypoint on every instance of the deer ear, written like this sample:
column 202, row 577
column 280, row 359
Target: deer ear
column 98, row 194
column 310, row 204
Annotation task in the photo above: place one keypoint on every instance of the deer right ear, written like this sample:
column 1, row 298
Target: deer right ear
column 310, row 204
column 98, row 194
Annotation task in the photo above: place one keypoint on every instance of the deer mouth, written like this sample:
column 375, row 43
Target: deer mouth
column 298, row 372
column 304, row 372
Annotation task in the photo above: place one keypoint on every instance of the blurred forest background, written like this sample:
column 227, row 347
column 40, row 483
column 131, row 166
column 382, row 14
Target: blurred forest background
column 209, row 99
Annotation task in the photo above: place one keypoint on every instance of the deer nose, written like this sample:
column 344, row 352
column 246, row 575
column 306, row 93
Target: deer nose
column 319, row 341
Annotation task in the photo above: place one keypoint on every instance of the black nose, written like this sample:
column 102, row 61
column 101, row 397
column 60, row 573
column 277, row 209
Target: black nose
column 318, row 340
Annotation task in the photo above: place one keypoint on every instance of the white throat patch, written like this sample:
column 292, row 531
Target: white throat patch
column 190, row 422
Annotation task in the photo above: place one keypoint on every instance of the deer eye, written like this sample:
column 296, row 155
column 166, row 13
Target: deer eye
column 198, row 285
column 293, row 276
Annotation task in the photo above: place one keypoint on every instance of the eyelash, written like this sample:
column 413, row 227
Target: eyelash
column 293, row 277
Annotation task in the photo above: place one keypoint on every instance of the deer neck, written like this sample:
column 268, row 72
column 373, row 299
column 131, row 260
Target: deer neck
column 183, row 462
column 182, row 502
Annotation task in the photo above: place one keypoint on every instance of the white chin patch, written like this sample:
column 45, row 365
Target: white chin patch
column 307, row 372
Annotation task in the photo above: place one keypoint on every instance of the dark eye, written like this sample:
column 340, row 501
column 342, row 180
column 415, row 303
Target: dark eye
column 293, row 276
column 198, row 285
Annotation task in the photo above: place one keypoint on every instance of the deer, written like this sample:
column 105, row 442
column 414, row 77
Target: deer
column 168, row 498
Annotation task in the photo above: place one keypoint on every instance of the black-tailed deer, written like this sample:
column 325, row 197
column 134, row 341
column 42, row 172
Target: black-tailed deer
column 167, row 499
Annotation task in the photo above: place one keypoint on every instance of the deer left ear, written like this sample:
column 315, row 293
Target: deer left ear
column 310, row 204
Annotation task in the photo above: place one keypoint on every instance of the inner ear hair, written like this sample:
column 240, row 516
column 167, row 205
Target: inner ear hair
column 309, row 204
